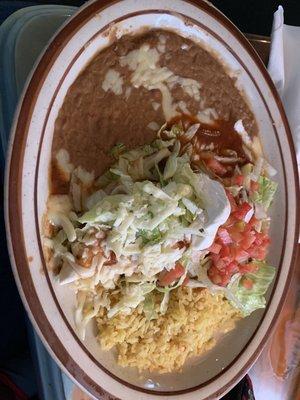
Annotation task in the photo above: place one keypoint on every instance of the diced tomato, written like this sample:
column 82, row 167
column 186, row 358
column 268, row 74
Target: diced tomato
column 215, row 248
column 236, row 242
column 238, row 180
column 215, row 258
column 247, row 283
column 253, row 221
column 215, row 166
column 233, row 251
column 242, row 211
column 267, row 239
column 251, row 224
column 168, row 277
column 225, row 276
column 224, row 236
column 235, row 235
column 227, row 260
column 254, row 186
column 220, row 265
column 225, row 280
column 258, row 252
column 261, row 239
column 245, row 268
column 232, row 268
column 186, row 281
column 232, row 202
column 221, row 273
column 248, row 240
column 214, row 275
column 112, row 259
column 225, row 251
column 241, row 256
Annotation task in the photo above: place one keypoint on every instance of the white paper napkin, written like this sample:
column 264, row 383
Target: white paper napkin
column 284, row 68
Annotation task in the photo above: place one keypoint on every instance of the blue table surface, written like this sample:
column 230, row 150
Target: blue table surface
column 22, row 354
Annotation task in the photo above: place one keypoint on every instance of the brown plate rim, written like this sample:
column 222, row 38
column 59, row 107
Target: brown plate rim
column 14, row 179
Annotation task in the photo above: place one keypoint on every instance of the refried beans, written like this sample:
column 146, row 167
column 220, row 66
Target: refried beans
column 114, row 101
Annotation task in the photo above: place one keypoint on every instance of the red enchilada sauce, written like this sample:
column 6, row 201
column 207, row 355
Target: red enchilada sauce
column 212, row 141
column 223, row 137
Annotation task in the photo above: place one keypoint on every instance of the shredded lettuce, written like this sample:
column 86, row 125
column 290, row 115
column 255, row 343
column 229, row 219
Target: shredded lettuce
column 175, row 131
column 149, row 307
column 117, row 150
column 61, row 220
column 150, row 237
column 132, row 297
column 160, row 177
column 171, row 167
column 161, row 144
column 265, row 193
column 192, row 130
column 88, row 306
column 106, row 179
column 249, row 300
column 257, row 169
column 164, row 304
column 105, row 210
column 94, row 198
column 150, row 217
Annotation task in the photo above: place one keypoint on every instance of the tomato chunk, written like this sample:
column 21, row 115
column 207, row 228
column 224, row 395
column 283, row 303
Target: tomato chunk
column 254, row 186
column 258, row 252
column 242, row 211
column 186, row 281
column 261, row 239
column 215, row 258
column 225, row 251
column 245, row 268
column 232, row 202
column 168, row 277
column 215, row 248
column 214, row 275
column 233, row 268
column 215, row 166
column 247, row 283
column 241, row 256
column 220, row 264
column 248, row 240
column 224, row 236
column 238, row 180
column 236, row 243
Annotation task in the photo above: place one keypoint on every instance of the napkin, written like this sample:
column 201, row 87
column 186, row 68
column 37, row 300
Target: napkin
column 284, row 68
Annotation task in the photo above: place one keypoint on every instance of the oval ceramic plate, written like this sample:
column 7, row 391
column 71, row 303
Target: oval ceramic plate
column 51, row 307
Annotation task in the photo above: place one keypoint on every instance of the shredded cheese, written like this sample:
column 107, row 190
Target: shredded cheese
column 113, row 82
column 143, row 62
